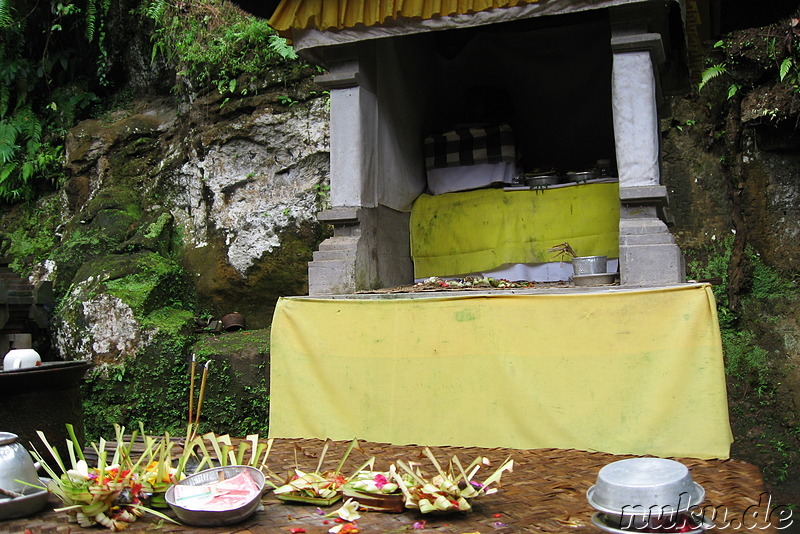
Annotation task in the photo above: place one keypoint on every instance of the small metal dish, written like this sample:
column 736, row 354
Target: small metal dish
column 598, row 279
column 32, row 501
column 223, row 517
column 580, row 176
column 541, row 180
column 638, row 486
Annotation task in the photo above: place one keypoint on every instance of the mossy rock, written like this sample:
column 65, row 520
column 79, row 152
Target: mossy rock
column 238, row 381
column 156, row 233
column 150, row 387
column 143, row 280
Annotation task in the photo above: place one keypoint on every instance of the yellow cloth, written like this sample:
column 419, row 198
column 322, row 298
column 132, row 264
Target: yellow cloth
column 476, row 231
column 625, row 371
column 340, row 14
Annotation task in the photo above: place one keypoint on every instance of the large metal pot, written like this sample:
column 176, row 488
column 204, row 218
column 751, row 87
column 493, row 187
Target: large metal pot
column 638, row 493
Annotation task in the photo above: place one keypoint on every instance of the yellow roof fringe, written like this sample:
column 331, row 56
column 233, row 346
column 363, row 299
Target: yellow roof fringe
column 339, row 14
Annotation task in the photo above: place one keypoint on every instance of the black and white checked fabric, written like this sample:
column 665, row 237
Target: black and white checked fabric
column 470, row 146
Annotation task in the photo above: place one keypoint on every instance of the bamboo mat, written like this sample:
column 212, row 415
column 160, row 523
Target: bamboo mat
column 546, row 492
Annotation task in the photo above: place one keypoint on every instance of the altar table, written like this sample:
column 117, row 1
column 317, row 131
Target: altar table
column 621, row 371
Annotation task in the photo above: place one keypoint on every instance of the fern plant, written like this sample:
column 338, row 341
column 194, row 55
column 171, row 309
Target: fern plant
column 212, row 43
column 44, row 45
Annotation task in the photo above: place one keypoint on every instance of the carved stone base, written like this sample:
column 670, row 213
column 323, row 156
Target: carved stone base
column 369, row 250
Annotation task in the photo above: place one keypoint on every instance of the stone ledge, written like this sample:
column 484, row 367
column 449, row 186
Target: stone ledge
column 638, row 42
column 340, row 215
column 645, row 194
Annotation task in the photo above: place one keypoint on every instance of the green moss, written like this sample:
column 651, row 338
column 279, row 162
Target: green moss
column 256, row 340
column 151, row 387
column 157, row 228
column 755, row 362
column 149, row 280
column 31, row 233
column 232, row 408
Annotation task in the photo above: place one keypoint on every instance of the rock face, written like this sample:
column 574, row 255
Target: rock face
column 236, row 186
column 245, row 192
column 171, row 214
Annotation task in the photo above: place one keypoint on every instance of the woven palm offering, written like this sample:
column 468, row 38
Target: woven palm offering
column 450, row 490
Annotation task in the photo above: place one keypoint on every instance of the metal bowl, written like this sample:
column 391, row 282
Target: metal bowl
column 222, row 517
column 580, row 176
column 582, row 265
column 644, row 486
column 541, row 180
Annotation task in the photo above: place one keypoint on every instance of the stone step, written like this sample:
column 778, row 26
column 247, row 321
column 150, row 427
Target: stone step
column 340, row 243
column 332, row 255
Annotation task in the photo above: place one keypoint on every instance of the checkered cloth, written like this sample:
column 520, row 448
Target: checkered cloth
column 470, row 146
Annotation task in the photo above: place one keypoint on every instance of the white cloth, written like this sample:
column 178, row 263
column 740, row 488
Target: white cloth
column 468, row 177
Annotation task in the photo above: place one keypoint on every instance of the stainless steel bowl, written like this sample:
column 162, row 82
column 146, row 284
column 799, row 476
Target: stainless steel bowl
column 582, row 265
column 217, row 518
column 542, row 180
column 580, row 176
column 643, row 487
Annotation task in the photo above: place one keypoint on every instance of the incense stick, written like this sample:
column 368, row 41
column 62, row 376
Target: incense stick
column 191, row 390
column 200, row 398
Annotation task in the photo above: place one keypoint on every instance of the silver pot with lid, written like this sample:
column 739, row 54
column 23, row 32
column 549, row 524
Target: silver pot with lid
column 16, row 465
column 18, row 480
column 643, row 493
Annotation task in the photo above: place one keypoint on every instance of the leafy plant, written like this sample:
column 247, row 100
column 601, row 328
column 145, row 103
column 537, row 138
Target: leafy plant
column 212, row 43
column 43, row 47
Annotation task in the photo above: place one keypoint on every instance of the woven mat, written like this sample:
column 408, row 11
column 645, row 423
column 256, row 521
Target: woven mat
column 546, row 492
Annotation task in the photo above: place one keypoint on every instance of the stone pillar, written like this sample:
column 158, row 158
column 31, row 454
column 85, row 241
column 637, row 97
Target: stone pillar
column 648, row 254
column 370, row 243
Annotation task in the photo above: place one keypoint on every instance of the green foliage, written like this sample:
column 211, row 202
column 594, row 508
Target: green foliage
column 43, row 48
column 213, row 43
column 786, row 65
column 745, row 360
column 710, row 73
column 153, row 387
column 33, row 234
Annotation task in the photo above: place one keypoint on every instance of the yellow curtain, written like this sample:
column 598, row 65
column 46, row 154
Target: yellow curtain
column 477, row 231
column 339, row 14
column 624, row 371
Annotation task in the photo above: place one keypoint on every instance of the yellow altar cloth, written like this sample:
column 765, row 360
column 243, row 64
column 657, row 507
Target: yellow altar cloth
column 476, row 231
column 623, row 371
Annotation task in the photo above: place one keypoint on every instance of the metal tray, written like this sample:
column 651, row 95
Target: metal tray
column 31, row 502
column 599, row 279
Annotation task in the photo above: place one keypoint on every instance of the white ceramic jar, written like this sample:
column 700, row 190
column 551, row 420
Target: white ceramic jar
column 21, row 359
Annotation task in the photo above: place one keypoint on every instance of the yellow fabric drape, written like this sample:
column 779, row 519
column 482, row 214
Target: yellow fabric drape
column 477, row 231
column 340, row 14
column 625, row 371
